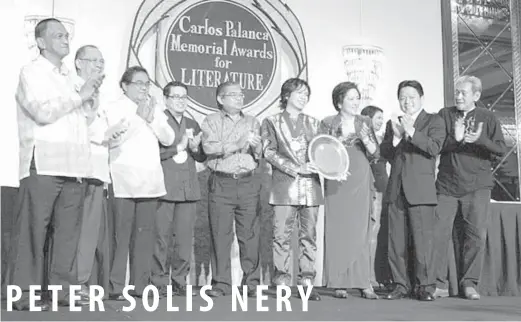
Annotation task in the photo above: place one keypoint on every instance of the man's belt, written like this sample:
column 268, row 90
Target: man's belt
column 234, row 175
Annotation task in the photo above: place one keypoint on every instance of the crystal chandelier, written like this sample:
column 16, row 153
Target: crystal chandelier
column 363, row 65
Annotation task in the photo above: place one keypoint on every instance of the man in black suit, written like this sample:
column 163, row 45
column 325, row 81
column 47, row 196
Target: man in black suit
column 411, row 145
column 177, row 210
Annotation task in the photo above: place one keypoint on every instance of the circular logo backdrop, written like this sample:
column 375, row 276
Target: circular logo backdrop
column 214, row 42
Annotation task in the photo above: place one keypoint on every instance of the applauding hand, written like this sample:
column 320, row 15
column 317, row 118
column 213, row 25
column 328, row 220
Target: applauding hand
column 146, row 109
column 459, row 129
column 398, row 130
column 408, row 125
column 195, row 141
column 471, row 137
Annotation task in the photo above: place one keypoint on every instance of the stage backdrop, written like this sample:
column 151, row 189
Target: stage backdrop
column 261, row 43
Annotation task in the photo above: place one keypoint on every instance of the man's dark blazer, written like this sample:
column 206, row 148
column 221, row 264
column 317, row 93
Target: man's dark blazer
column 413, row 161
column 181, row 180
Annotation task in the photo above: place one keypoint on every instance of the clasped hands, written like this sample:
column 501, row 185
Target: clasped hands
column 461, row 133
column 116, row 131
column 404, row 127
column 365, row 133
column 146, row 108
column 249, row 139
column 90, row 89
column 191, row 143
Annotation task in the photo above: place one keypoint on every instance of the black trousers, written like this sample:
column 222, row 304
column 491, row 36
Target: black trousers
column 134, row 236
column 9, row 196
column 175, row 231
column 406, row 220
column 93, row 248
column 45, row 232
column 471, row 235
column 234, row 200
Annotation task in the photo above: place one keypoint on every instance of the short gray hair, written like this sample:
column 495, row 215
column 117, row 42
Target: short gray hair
column 80, row 53
column 472, row 80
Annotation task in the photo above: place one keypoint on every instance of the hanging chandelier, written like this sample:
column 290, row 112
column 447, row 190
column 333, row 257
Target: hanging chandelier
column 363, row 65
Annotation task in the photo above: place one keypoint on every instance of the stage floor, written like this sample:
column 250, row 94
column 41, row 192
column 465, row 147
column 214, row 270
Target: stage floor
column 352, row 308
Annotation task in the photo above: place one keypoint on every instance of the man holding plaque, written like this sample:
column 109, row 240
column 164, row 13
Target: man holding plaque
column 296, row 191
column 232, row 143
column 177, row 210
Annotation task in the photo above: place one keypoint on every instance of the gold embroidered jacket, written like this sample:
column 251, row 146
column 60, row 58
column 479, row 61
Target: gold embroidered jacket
column 288, row 186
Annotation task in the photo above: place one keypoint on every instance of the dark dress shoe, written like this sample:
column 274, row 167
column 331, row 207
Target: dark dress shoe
column 314, row 296
column 181, row 291
column 81, row 302
column 395, row 295
column 24, row 306
column 117, row 297
column 425, row 296
column 140, row 295
column 215, row 292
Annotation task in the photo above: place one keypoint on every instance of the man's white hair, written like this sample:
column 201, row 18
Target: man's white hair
column 472, row 80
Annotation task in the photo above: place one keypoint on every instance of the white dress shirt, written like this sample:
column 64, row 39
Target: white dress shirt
column 99, row 149
column 51, row 122
column 135, row 163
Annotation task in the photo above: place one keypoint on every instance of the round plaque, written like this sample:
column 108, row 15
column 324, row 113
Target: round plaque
column 329, row 156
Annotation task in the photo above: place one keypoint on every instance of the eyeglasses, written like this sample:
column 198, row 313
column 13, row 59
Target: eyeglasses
column 141, row 84
column 95, row 61
column 234, row 95
column 178, row 97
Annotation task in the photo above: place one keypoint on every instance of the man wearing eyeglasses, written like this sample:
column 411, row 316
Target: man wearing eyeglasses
column 232, row 143
column 93, row 248
column 177, row 210
column 54, row 159
column 137, row 179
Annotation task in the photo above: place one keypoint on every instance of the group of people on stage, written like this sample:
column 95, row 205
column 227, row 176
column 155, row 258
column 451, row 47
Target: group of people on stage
column 80, row 156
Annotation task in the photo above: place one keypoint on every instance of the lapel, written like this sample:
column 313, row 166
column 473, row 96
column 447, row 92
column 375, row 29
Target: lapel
column 421, row 120
column 286, row 135
column 335, row 126
column 419, row 124
column 175, row 126
column 285, row 128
